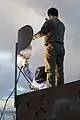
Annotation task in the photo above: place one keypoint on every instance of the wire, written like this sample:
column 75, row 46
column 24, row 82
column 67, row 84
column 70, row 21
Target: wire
column 28, row 80
column 24, row 74
column 10, row 96
column 14, row 88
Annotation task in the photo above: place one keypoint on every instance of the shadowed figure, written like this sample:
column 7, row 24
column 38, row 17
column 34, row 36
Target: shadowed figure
column 53, row 29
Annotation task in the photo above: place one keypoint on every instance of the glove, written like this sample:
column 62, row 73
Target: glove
column 24, row 62
column 34, row 85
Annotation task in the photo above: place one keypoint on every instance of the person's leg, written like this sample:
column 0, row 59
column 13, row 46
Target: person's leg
column 60, row 68
column 50, row 79
column 50, row 60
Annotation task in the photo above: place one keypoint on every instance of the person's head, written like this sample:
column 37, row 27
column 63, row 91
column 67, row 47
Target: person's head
column 52, row 12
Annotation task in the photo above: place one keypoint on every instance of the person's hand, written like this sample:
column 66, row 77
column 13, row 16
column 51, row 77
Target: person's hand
column 34, row 37
column 25, row 63
column 34, row 85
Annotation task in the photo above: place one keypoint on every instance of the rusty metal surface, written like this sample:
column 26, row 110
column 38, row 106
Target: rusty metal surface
column 57, row 103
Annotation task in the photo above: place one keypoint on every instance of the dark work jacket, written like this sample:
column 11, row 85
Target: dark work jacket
column 54, row 30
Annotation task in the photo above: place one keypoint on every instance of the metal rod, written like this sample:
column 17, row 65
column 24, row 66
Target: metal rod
column 28, row 80
column 15, row 93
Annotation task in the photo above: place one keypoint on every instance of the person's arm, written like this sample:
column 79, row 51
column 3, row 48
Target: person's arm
column 29, row 74
column 37, row 35
column 44, row 30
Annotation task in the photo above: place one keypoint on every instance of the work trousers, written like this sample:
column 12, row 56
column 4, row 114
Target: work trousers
column 54, row 59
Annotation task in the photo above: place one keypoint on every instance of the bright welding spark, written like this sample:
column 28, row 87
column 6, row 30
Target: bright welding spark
column 24, row 57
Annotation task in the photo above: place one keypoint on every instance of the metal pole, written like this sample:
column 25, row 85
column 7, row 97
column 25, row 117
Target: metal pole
column 3, row 117
column 14, row 118
column 15, row 93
